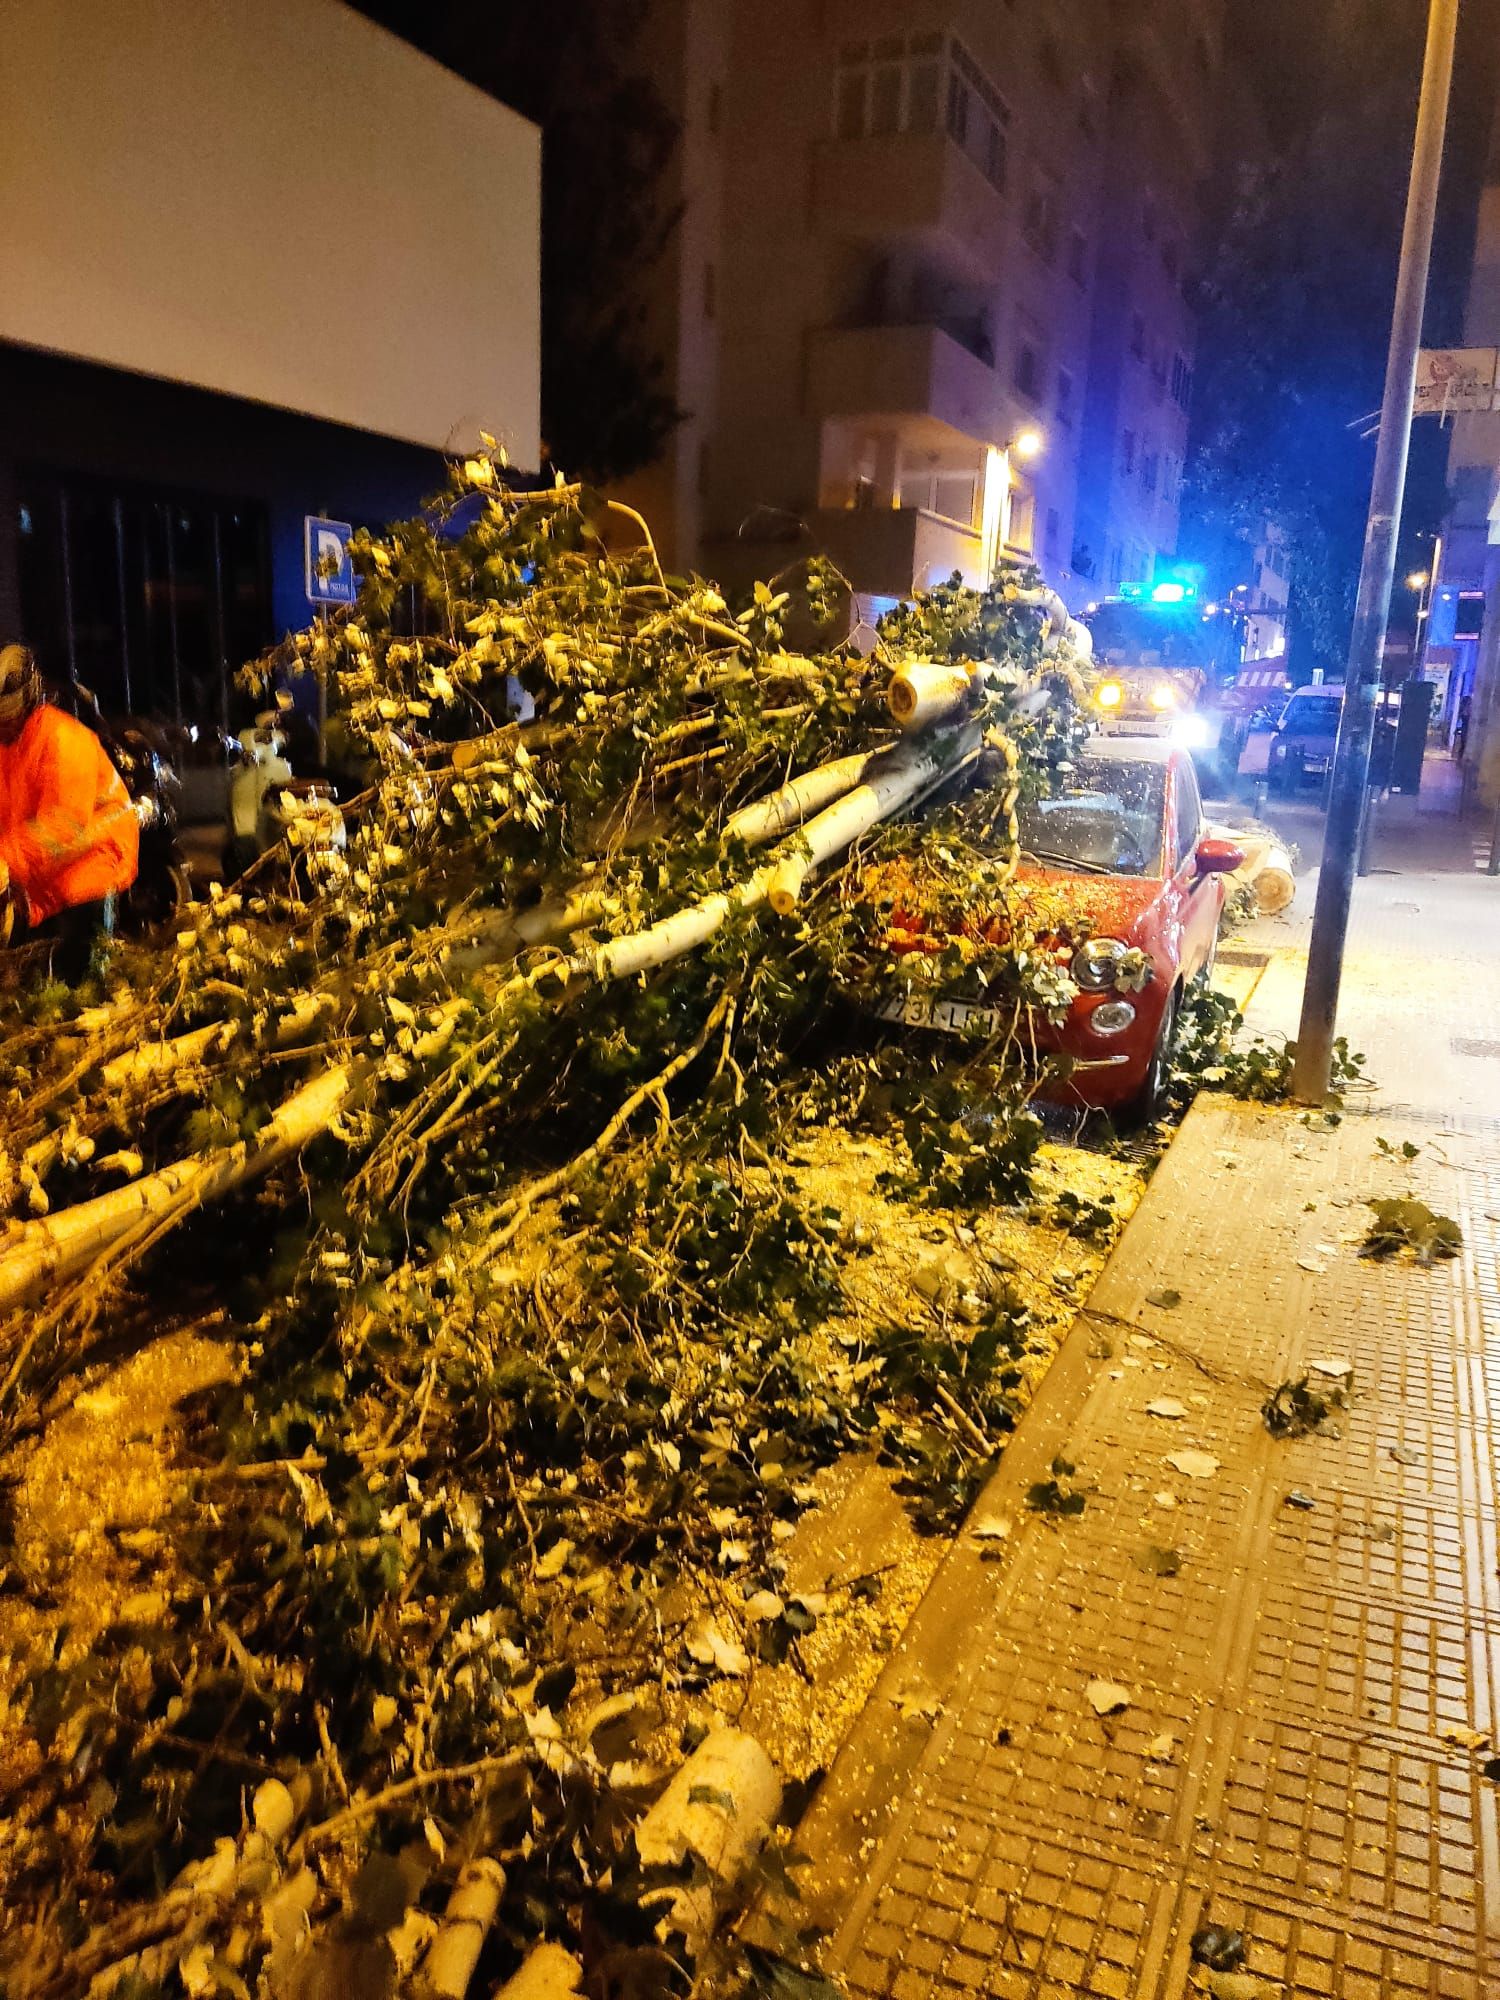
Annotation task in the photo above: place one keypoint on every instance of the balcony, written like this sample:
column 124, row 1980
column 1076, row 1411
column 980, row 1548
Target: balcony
column 922, row 375
column 913, row 188
column 883, row 551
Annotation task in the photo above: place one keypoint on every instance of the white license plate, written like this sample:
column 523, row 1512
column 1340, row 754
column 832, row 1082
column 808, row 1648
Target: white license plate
column 955, row 1017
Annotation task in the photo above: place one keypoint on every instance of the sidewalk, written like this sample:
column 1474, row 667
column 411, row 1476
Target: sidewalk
column 1298, row 1759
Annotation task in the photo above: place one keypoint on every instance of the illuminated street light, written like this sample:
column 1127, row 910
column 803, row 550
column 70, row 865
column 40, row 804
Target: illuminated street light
column 1418, row 580
column 999, row 484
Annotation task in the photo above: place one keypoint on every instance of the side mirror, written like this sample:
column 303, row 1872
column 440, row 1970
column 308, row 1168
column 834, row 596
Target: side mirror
column 1218, row 857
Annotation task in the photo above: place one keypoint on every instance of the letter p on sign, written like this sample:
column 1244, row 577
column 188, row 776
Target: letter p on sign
column 329, row 572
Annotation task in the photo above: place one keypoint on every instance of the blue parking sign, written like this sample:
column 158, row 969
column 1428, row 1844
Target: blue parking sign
column 330, row 573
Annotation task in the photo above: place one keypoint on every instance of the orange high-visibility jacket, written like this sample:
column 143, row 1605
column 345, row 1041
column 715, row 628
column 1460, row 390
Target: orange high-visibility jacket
column 68, row 832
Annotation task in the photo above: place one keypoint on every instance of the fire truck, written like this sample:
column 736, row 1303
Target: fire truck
column 1169, row 666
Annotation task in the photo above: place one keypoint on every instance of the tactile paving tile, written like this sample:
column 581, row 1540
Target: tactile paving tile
column 1025, row 1916
column 1385, row 1832
column 1387, row 1545
column 1308, row 1954
column 1031, row 1748
column 1378, row 1665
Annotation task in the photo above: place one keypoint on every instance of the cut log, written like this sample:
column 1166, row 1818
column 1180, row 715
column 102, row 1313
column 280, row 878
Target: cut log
column 155, row 1059
column 46, row 1252
column 928, row 692
column 1275, row 884
column 786, row 884
column 549, row 1973
column 902, row 777
column 779, row 811
column 720, row 1807
column 449, row 1965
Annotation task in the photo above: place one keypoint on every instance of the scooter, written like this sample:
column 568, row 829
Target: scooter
column 153, row 904
column 269, row 805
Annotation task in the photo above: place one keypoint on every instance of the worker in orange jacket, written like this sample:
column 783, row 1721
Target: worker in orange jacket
column 69, row 838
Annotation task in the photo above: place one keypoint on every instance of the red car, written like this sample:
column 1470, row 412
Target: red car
column 1124, row 849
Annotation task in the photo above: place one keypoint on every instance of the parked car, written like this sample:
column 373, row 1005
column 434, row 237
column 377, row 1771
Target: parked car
column 1301, row 751
column 1126, row 849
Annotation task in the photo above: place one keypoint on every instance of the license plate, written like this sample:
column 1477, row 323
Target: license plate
column 955, row 1017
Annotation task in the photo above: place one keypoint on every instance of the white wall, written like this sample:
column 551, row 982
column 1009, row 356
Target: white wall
column 276, row 199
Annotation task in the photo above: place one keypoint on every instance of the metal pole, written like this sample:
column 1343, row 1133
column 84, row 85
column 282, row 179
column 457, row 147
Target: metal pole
column 1351, row 765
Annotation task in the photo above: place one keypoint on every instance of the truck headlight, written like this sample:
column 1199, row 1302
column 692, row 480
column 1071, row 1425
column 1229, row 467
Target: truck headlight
column 1095, row 964
column 1163, row 697
column 1110, row 695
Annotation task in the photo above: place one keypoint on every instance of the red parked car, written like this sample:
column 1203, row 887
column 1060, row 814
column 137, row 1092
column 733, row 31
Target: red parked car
column 1125, row 850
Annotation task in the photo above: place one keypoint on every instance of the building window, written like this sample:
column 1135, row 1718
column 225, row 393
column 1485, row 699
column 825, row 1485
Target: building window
column 1042, row 210
column 1127, row 451
column 150, row 597
column 1053, row 529
column 901, row 83
column 1116, row 567
column 1078, row 256
column 888, row 85
column 1150, row 471
column 1182, row 382
column 1137, row 336
column 977, row 115
column 1028, row 370
column 952, row 493
column 1064, row 397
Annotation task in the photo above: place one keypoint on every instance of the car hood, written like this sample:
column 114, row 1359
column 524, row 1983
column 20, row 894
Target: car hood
column 1056, row 901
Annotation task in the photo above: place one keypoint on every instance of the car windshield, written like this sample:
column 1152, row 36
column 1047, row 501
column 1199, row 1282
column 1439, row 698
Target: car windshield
column 1316, row 715
column 1108, row 820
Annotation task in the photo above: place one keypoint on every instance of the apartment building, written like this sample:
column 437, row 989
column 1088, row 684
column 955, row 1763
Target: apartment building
column 1165, row 60
column 1265, row 597
column 259, row 261
column 1461, row 647
column 919, row 239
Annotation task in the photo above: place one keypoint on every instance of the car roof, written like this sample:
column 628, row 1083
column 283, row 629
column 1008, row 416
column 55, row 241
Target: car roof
column 1130, row 749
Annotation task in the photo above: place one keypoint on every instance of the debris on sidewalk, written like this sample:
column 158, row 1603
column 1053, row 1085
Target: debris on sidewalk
column 1193, row 1464
column 1296, row 1408
column 1404, row 1223
column 1107, row 1697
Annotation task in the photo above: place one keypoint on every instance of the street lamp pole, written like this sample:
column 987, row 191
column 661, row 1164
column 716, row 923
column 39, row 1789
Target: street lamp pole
column 1351, row 767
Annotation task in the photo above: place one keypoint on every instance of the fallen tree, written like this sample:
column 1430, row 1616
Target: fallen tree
column 547, row 1002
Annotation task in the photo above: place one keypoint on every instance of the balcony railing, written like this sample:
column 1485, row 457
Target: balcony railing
column 915, row 188
column 923, row 374
column 883, row 551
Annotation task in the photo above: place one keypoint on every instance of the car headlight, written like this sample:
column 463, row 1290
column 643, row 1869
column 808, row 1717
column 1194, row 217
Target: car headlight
column 1113, row 1018
column 1110, row 695
column 1163, row 697
column 1095, row 964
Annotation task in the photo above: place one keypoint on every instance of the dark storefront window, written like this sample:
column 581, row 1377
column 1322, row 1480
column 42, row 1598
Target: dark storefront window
column 151, row 599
